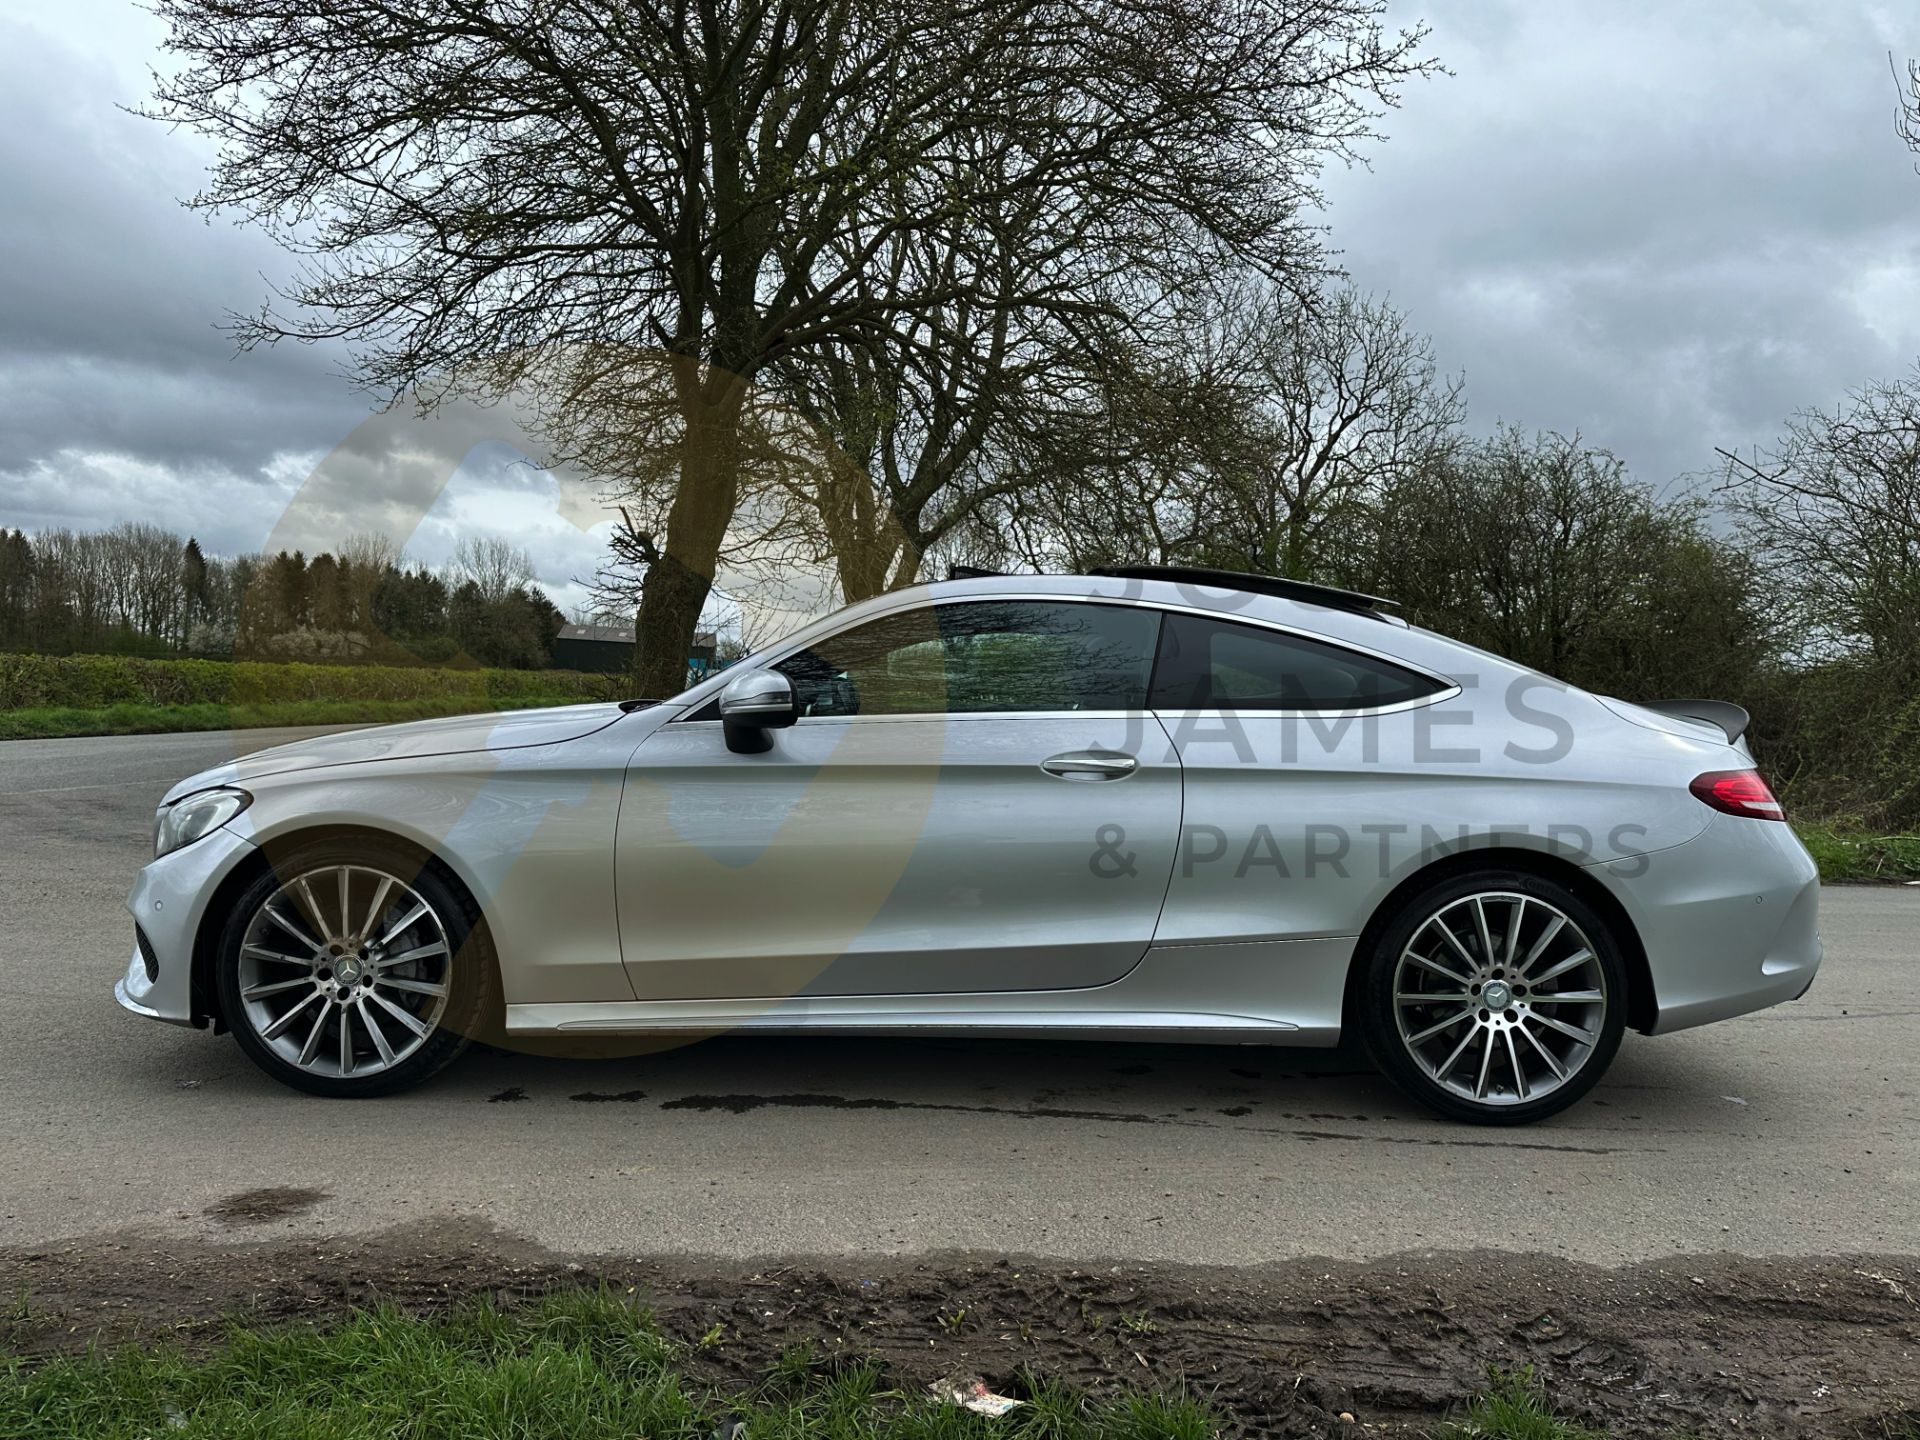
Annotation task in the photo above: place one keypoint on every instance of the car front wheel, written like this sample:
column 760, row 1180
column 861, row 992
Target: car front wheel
column 353, row 970
column 1497, row 997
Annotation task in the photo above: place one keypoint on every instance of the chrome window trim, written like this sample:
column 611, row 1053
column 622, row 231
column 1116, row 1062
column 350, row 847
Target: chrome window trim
column 1447, row 690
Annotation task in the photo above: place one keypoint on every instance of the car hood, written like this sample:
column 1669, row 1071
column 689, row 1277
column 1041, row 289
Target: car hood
column 455, row 735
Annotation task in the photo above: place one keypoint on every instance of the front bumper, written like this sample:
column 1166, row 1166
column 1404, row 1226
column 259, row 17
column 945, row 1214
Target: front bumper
column 168, row 902
column 1729, row 920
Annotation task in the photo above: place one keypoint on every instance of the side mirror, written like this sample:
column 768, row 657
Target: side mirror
column 752, row 704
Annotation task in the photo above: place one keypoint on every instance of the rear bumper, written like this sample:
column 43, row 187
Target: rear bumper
column 168, row 902
column 1729, row 920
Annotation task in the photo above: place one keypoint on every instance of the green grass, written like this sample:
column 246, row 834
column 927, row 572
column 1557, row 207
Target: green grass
column 1848, row 854
column 1512, row 1407
column 584, row 1366
column 49, row 721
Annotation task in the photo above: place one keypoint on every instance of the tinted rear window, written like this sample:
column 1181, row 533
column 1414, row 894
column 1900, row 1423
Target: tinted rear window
column 1216, row 664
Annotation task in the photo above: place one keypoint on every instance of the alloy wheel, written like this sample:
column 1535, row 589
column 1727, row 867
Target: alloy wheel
column 1500, row 998
column 345, row 971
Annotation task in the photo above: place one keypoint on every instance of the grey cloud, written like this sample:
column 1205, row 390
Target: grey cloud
column 1648, row 222
column 1665, row 226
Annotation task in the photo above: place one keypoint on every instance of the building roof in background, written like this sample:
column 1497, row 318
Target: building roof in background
column 617, row 634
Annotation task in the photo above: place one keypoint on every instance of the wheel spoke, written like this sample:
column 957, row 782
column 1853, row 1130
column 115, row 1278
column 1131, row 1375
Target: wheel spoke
column 1572, row 962
column 305, row 892
column 1432, row 1030
column 273, row 913
column 412, row 987
column 376, row 1034
column 1446, row 1069
column 1569, row 997
column 1480, row 925
column 418, row 912
column 1554, row 927
column 1454, row 940
column 1433, row 997
column 404, row 1017
column 346, row 1035
column 1513, row 1059
column 1553, row 1061
column 419, row 953
column 1515, row 914
column 1585, row 1037
column 346, row 906
column 280, row 1026
column 312, row 1047
column 1425, row 964
column 1486, row 1059
column 255, row 992
column 379, row 906
column 278, row 957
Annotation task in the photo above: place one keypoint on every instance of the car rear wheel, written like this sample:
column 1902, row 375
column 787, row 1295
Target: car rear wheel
column 353, row 970
column 1496, row 997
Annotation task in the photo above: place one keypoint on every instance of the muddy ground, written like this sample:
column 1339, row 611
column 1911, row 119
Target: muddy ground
column 1707, row 1346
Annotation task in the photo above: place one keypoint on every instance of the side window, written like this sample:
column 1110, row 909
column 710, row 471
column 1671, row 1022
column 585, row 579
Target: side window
column 982, row 656
column 1217, row 664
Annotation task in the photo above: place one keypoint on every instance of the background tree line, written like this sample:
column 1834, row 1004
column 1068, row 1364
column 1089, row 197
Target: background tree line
column 139, row 589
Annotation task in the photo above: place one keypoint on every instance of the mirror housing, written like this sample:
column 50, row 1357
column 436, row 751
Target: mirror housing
column 754, row 704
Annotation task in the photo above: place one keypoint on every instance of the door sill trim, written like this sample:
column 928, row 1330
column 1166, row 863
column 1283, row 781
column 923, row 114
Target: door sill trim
column 958, row 1013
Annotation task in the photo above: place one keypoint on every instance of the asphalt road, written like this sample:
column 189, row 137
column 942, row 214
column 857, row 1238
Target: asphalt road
column 1793, row 1131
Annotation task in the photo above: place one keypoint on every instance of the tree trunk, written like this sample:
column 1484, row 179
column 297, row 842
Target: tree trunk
column 678, row 583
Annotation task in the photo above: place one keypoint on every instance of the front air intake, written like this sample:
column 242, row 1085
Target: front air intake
column 147, row 956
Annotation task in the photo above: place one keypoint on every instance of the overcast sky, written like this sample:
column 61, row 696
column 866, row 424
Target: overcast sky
column 1665, row 226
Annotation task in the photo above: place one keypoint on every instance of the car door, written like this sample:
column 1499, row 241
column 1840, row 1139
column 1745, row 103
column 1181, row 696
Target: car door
column 974, row 799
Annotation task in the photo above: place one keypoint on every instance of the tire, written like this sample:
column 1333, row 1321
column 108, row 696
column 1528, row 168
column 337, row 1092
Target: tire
column 1514, row 997
column 328, row 985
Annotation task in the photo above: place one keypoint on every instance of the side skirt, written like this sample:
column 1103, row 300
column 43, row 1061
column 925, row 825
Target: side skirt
column 1286, row 992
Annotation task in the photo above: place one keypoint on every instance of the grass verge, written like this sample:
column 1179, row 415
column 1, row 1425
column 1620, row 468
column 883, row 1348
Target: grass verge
column 1855, row 855
column 1513, row 1407
column 585, row 1365
column 52, row 721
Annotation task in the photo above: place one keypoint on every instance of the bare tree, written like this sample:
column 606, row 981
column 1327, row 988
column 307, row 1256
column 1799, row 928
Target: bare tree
column 1253, row 434
column 475, row 179
column 496, row 567
column 1907, row 120
column 1834, row 509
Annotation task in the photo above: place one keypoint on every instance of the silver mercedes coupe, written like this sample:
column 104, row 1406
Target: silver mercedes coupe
column 1145, row 803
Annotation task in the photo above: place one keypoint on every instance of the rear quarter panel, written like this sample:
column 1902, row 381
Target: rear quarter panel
column 1299, row 826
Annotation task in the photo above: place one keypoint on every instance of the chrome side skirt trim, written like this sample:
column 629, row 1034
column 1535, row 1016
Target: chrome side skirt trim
column 1188, row 992
column 643, row 1017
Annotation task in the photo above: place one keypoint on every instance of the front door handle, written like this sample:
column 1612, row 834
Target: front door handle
column 1091, row 765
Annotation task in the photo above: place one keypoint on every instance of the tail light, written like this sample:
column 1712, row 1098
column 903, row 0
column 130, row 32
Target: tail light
column 1737, row 792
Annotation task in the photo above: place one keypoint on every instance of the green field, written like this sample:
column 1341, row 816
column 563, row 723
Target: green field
column 99, row 682
column 43, row 696
column 47, row 722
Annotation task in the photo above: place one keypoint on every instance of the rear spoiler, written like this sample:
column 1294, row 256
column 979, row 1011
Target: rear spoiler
column 1722, row 714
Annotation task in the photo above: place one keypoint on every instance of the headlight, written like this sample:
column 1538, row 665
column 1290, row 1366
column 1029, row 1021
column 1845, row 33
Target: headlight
column 195, row 817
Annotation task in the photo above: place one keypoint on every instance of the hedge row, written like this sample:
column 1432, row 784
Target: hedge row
column 94, row 681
